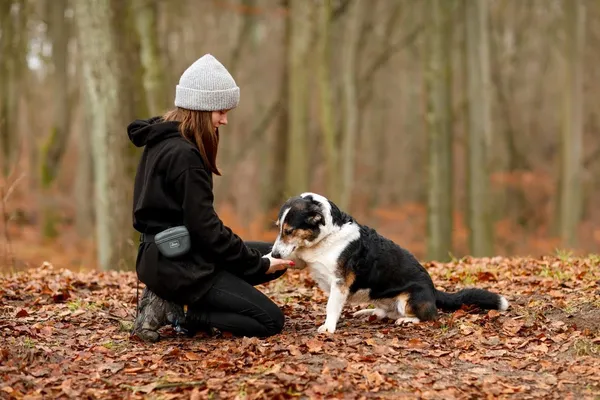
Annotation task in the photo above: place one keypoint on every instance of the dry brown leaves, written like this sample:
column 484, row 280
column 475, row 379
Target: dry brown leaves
column 66, row 335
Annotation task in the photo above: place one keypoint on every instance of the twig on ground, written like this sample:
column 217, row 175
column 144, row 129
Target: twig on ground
column 167, row 385
column 5, row 218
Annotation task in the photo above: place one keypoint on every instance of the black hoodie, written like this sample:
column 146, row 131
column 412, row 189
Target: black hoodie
column 173, row 187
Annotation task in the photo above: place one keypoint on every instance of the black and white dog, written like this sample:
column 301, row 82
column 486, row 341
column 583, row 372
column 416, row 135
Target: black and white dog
column 352, row 262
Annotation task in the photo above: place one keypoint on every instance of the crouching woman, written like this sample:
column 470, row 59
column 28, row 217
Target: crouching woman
column 174, row 188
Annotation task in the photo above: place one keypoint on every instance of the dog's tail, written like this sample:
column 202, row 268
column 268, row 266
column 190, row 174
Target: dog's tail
column 477, row 297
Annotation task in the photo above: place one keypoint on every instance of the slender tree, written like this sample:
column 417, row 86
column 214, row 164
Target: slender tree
column 439, row 126
column 145, row 14
column 13, row 45
column 297, row 146
column 59, row 29
column 102, row 80
column 572, row 132
column 349, row 100
column 275, row 188
column 479, row 126
column 326, row 100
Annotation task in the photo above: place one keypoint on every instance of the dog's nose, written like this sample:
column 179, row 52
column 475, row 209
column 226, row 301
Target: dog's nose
column 276, row 254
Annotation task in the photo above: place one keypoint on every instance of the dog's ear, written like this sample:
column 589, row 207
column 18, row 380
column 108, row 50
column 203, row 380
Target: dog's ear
column 314, row 219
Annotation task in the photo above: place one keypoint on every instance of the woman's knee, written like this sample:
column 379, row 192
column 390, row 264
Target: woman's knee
column 277, row 321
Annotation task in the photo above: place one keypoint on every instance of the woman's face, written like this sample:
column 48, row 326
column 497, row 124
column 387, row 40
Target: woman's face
column 219, row 118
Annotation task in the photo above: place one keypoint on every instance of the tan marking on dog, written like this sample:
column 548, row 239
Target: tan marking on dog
column 403, row 306
column 303, row 234
column 349, row 278
column 296, row 235
column 286, row 227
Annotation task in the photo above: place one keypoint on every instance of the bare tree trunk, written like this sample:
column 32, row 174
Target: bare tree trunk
column 245, row 33
column 145, row 15
column 13, row 42
column 326, row 105
column 480, row 218
column 274, row 191
column 297, row 150
column 84, row 190
column 102, row 78
column 572, row 133
column 56, row 142
column 439, row 122
column 350, row 101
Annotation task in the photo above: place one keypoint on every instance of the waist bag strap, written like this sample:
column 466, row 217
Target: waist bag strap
column 146, row 238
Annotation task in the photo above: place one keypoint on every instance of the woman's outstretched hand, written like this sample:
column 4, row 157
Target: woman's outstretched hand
column 278, row 264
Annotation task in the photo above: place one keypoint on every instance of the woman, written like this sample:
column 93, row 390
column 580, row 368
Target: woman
column 174, row 187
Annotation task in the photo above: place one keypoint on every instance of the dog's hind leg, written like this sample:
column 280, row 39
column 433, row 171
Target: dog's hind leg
column 380, row 313
column 414, row 308
column 407, row 320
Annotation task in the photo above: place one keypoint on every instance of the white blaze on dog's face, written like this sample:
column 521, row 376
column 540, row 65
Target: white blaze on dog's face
column 303, row 221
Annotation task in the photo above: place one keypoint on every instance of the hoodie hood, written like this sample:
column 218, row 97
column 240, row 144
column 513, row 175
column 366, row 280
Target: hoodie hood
column 143, row 132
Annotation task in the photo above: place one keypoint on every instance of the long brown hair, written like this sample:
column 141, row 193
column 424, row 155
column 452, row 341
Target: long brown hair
column 196, row 127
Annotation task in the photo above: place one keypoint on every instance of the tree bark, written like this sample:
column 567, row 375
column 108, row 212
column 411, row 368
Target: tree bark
column 349, row 101
column 84, row 188
column 274, row 190
column 439, row 123
column 145, row 15
column 102, row 78
column 56, row 142
column 297, row 146
column 572, row 132
column 326, row 109
column 478, row 86
column 13, row 42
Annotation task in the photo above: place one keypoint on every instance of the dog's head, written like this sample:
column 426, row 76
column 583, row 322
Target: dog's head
column 303, row 221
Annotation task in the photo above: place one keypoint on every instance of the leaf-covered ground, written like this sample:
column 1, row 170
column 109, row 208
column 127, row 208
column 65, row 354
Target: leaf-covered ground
column 66, row 335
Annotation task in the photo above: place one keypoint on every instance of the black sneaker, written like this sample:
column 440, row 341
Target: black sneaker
column 194, row 323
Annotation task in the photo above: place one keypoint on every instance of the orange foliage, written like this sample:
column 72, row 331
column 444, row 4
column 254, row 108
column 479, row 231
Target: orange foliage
column 404, row 223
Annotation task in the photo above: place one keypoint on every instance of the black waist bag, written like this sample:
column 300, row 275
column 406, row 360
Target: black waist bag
column 172, row 242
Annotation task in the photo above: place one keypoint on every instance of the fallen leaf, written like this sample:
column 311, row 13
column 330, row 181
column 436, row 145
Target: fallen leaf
column 314, row 345
column 65, row 386
column 485, row 276
column 512, row 326
column 195, row 394
column 416, row 343
column 133, row 370
column 100, row 349
column 78, row 312
column 61, row 296
column 193, row 356
column 112, row 367
column 294, row 350
column 22, row 313
column 147, row 388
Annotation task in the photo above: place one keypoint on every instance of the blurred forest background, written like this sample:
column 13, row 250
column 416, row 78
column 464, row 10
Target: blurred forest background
column 455, row 127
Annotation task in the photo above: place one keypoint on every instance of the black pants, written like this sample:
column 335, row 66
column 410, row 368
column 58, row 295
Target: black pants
column 232, row 304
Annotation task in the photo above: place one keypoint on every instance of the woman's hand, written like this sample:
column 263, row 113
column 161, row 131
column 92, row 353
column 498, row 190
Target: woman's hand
column 278, row 264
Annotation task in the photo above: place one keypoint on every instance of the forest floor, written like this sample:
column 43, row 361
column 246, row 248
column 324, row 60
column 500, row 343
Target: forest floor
column 66, row 334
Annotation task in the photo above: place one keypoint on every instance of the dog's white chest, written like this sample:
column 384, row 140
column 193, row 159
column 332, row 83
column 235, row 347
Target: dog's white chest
column 323, row 274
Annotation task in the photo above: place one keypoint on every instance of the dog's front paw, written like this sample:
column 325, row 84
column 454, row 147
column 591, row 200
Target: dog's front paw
column 326, row 328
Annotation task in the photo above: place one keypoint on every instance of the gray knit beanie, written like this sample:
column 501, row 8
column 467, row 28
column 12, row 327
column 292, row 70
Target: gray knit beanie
column 207, row 86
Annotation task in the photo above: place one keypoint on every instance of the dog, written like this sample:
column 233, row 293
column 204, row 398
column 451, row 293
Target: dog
column 353, row 263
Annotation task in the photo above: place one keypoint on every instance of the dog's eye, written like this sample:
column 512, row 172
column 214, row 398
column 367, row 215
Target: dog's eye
column 288, row 231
